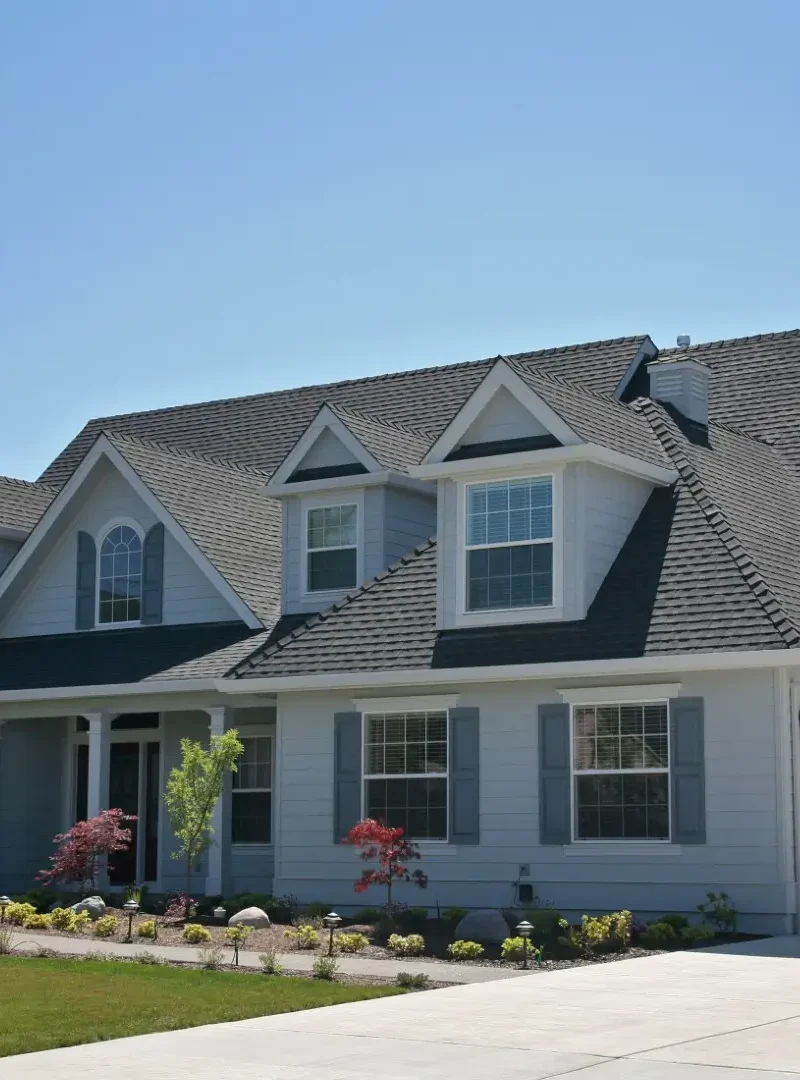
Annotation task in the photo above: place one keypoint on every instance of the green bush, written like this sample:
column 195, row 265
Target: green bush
column 196, row 934
column 324, row 967
column 465, row 950
column 604, row 933
column 81, row 921
column 368, row 915
column 41, row 899
column 411, row 981
column 719, row 910
column 17, row 913
column 454, row 914
column 658, row 935
column 62, row 918
column 546, row 923
column 513, row 948
column 211, row 956
column 351, row 943
column 676, row 921
column 316, row 909
column 411, row 918
column 696, row 935
column 106, row 925
column 413, row 945
column 270, row 964
column 302, row 937
column 38, row 922
column 147, row 929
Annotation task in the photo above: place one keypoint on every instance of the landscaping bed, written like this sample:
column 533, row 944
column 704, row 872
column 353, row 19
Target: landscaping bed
column 46, row 1003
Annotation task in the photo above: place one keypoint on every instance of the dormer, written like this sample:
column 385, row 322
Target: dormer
column 539, row 484
column 350, row 507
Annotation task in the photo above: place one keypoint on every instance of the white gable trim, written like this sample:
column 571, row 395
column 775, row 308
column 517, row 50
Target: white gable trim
column 103, row 448
column 325, row 418
column 501, row 375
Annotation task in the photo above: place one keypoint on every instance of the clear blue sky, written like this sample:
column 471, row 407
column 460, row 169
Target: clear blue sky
column 203, row 199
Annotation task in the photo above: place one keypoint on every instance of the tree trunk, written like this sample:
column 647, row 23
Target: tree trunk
column 187, row 913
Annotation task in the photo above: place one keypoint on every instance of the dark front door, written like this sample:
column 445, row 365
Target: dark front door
column 123, row 794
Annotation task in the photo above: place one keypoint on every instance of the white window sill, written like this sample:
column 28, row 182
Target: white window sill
column 609, row 849
column 258, row 846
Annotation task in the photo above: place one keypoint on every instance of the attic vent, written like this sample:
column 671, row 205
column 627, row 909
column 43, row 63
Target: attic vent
column 682, row 383
column 684, row 341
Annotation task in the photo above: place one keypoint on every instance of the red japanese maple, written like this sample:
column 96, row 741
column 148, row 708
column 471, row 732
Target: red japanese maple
column 87, row 842
column 391, row 850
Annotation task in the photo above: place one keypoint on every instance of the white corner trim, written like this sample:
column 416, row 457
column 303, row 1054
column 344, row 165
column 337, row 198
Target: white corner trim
column 614, row 695
column 325, row 419
column 426, row 703
column 609, row 849
column 500, row 375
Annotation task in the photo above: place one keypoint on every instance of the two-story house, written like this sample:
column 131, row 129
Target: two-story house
column 542, row 611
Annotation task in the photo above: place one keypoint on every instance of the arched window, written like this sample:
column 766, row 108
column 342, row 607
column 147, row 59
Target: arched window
column 120, row 576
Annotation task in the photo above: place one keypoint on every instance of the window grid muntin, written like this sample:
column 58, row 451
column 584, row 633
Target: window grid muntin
column 260, row 752
column 119, row 577
column 319, row 541
column 435, row 723
column 659, row 729
column 520, row 586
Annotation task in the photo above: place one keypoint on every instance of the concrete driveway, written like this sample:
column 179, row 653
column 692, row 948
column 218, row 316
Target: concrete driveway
column 706, row 1015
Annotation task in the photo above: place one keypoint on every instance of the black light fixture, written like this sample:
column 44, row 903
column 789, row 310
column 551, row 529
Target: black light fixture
column 131, row 908
column 524, row 929
column 331, row 921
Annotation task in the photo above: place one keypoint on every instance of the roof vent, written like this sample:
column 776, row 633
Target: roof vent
column 684, row 341
column 682, row 383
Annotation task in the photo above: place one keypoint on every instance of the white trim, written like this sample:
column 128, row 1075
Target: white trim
column 463, row 617
column 99, row 540
column 521, row 464
column 794, row 731
column 619, row 695
column 621, row 849
column 322, row 502
column 363, row 480
column 325, row 419
column 421, row 703
column 500, row 375
column 103, row 448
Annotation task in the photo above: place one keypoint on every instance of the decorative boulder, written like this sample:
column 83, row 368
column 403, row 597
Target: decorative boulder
column 250, row 916
column 95, row 905
column 488, row 927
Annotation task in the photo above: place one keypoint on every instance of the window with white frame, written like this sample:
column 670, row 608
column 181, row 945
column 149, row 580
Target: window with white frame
column 332, row 548
column 509, row 533
column 251, row 798
column 620, row 765
column 119, row 580
column 405, row 772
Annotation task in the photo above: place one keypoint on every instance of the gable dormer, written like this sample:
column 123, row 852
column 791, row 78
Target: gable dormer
column 349, row 506
column 539, row 484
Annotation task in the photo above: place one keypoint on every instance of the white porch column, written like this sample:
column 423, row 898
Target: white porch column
column 99, row 759
column 217, row 717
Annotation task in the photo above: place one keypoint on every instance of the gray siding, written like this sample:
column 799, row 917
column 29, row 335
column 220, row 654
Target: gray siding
column 46, row 603
column 8, row 549
column 177, row 726
column 32, row 773
column 327, row 450
column 409, row 520
column 503, row 418
column 742, row 855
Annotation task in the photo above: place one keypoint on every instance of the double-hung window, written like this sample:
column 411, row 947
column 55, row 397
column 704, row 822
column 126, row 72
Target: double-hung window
column 119, row 594
column 405, row 772
column 509, row 533
column 251, row 811
column 332, row 548
column 620, row 765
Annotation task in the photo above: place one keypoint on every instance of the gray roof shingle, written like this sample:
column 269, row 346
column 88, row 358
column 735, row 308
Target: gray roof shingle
column 23, row 503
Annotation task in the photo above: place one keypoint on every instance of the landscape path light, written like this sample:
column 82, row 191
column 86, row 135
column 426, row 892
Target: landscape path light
column 524, row 929
column 331, row 921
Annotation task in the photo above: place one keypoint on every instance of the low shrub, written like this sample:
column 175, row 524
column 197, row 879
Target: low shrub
column 547, row 923
column 413, row 945
column 147, row 929
column 325, row 967
column 316, row 909
column 17, row 913
column 81, row 921
column 6, row 939
column 237, row 936
column 604, row 933
column 658, row 935
column 40, row 899
column 38, row 922
column 368, row 915
column 196, row 934
column 696, row 935
column 147, row 958
column 63, row 918
column 211, row 956
column 270, row 964
column 719, row 910
column 411, row 918
column 513, row 948
column 106, row 925
column 465, row 950
column 676, row 921
column 411, row 981
column 302, row 937
column 351, row 943
column 454, row 914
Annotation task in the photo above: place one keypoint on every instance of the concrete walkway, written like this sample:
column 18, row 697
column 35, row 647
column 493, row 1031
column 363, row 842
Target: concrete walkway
column 704, row 1015
column 456, row 974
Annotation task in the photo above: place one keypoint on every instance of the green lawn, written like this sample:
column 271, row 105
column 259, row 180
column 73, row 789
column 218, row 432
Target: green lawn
column 46, row 1003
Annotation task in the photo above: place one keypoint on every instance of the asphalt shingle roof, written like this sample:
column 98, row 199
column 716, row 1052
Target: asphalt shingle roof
column 23, row 503
column 393, row 445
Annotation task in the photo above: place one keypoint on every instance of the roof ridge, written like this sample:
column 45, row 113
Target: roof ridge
column 322, row 616
column 393, row 425
column 718, row 521
column 769, row 336
column 183, row 452
column 565, row 384
column 37, row 485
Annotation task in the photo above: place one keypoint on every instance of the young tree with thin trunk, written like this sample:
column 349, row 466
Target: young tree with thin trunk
column 82, row 850
column 193, row 790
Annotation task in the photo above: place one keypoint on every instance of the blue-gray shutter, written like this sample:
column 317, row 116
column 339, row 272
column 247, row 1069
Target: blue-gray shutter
column 555, row 816
column 85, row 582
column 153, row 575
column 687, row 770
column 346, row 773
column 465, row 806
